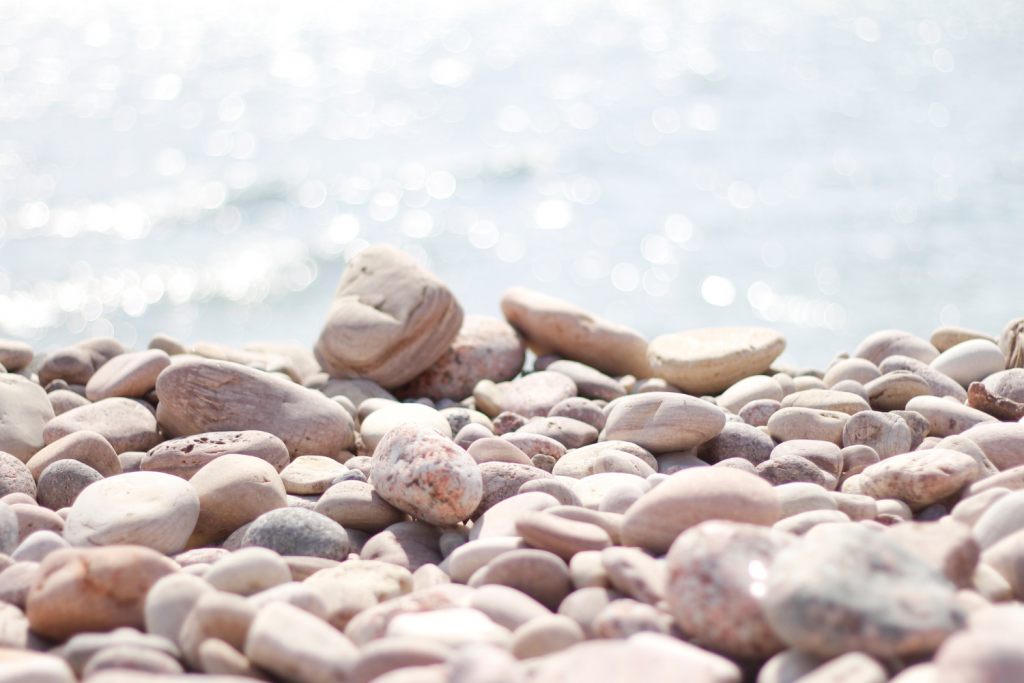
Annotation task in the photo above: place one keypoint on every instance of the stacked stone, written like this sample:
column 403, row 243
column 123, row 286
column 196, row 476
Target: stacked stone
column 407, row 504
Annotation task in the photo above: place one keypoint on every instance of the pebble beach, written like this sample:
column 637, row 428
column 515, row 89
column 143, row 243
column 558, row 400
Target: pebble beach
column 417, row 500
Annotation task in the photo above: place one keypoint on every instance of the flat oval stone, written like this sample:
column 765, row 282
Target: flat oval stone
column 565, row 430
column 808, row 383
column 593, row 490
column 198, row 396
column 493, row 449
column 1008, row 384
column 808, row 423
column 311, row 474
column 709, row 361
column 25, row 411
column 818, row 399
column 885, row 433
column 380, row 422
column 946, row 417
column 754, row 388
column 799, row 524
column 800, row 497
column 151, row 509
column 693, row 496
column 661, row 422
column 502, row 480
column 248, row 571
column 233, row 490
column 123, row 422
column 540, row 574
column 61, row 483
column 356, row 505
column 388, row 654
column 485, row 348
column 948, row 336
column 85, row 446
column 590, row 383
column 535, row 444
column 1001, row 442
column 426, row 475
column 580, row 462
column 63, row 400
column 15, row 476
column 33, row 518
column 73, row 364
column 757, row 413
column 579, row 408
column 389, row 321
column 857, row 369
column 970, row 361
column 939, row 384
column 892, row 390
column 537, row 393
column 131, row 375
column 564, row 537
column 297, row 531
column 853, row 589
column 15, row 355
column 737, row 440
column 552, row 325
column 786, row 469
column 553, row 487
column 670, row 463
column 407, row 544
column 881, row 345
column 919, row 478
column 620, row 461
column 717, row 572
column 858, row 457
column 186, row 455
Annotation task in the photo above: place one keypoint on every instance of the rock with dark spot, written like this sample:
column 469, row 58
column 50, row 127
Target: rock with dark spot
column 186, row 455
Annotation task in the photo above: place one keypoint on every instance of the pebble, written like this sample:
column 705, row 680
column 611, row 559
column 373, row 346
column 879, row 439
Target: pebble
column 885, row 433
column 85, row 446
column 757, row 413
column 919, row 478
column 989, row 657
column 186, row 455
column 881, row 345
column 295, row 645
column 357, row 505
column 670, row 463
column 580, row 462
column 15, row 582
column 132, row 658
column 37, row 546
column 97, row 589
column 808, row 423
column 940, row 385
column 494, row 449
column 26, row 410
column 581, row 409
column 357, row 585
column 787, row 468
column 453, row 627
column 470, row 433
column 565, row 430
column 856, row 369
column 297, row 531
column 248, row 571
column 894, row 389
column 801, row 523
column 919, row 426
column 737, row 440
column 692, row 496
column 150, row 509
column 502, row 480
column 1002, row 443
column 15, row 476
column 407, row 544
column 797, row 497
column 850, row 386
column 169, row 602
column 855, row 506
column 311, row 474
column 612, row 460
column 623, row 618
column 459, row 417
column 854, row 589
column 485, row 348
column 233, row 490
column 421, row 472
column 378, row 423
column 1008, row 384
column 564, row 537
column 61, row 483
column 970, row 361
column 964, row 445
column 997, row 406
column 130, row 375
column 663, row 422
column 125, row 423
column 857, row 458
column 63, row 400
column 635, row 573
column 545, row 635
column 506, row 423
column 537, row 393
column 15, row 355
column 808, row 383
column 948, row 546
column 945, row 338
column 590, row 383
column 552, row 325
column 378, row 657
column 753, row 388
column 594, row 489
column 540, row 574
column 826, row 400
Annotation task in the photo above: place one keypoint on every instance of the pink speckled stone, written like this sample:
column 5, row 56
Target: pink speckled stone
column 537, row 393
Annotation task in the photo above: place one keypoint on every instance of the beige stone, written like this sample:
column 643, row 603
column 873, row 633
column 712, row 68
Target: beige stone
column 947, row 417
column 894, row 389
column 233, row 490
column 836, row 401
column 919, row 478
column 494, row 449
column 85, row 446
column 125, row 423
column 131, row 375
column 1002, row 443
column 662, row 422
column 970, row 361
column 880, row 345
column 24, row 412
column 885, row 433
column 857, row 369
column 808, row 423
column 311, row 474
column 945, row 338
column 356, row 505
column 185, row 456
column 378, row 423
column 753, row 388
column 15, row 355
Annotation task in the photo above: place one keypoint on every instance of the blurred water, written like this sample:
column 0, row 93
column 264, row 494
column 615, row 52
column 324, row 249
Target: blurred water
column 205, row 168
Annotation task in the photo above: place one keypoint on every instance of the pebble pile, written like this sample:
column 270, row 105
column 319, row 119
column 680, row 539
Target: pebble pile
column 406, row 503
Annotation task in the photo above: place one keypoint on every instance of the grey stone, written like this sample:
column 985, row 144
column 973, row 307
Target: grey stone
column 296, row 531
column 61, row 482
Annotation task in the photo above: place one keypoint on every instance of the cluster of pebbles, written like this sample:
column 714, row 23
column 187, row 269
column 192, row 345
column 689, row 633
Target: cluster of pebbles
column 408, row 504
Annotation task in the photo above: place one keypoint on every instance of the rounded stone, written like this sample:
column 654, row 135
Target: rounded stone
column 15, row 355
column 885, row 433
column 612, row 460
column 356, row 505
column 540, row 574
column 881, row 345
column 62, row 482
column 826, row 399
column 939, row 384
column 297, row 531
column 150, row 509
column 37, row 546
column 757, row 413
column 25, row 411
column 709, row 361
column 494, row 449
column 970, row 361
column 737, row 440
column 185, row 456
column 894, row 389
column 582, row 409
column 122, row 658
column 693, row 496
column 407, row 544
column 130, row 375
column 382, row 421
column 800, row 497
column 33, row 518
column 421, row 472
column 948, row 336
column 85, row 446
column 850, row 386
column 1008, row 384
column 1002, row 443
column 233, row 490
column 808, row 423
column 919, row 478
column 471, row 433
column 857, row 458
column 485, row 348
column 590, row 383
column 716, row 578
column 125, row 423
column 537, row 393
column 857, row 369
column 535, row 444
column 799, row 524
column 545, row 635
column 15, row 476
column 565, row 430
column 788, row 468
column 826, row 456
column 311, row 474
column 248, row 571
column 580, row 462
column 559, row 535
column 946, row 417
column 63, row 400
column 662, row 422
column 754, row 388
column 502, row 480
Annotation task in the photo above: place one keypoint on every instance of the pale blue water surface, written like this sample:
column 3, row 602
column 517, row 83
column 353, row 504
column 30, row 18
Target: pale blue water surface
column 204, row 169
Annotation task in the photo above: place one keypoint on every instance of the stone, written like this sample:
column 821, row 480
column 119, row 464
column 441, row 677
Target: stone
column 1002, row 443
column 62, row 482
column 894, row 389
column 757, row 413
column 295, row 645
column 855, row 506
column 670, row 463
column 1011, row 343
column 808, row 423
column 970, row 361
column 737, row 440
column 947, row 546
column 564, row 537
column 545, row 635
column 15, row 582
column 424, row 474
column 709, row 361
column 797, row 497
column 1008, row 384
column 964, row 445
column 85, row 446
column 217, row 614
column 407, row 544
column 857, row 369
column 540, row 574
column 390, row 320
column 458, row 417
column 854, row 589
column 989, row 656
column 185, row 456
column 97, row 589
column 502, row 480
column 594, row 489
column 534, row 395
column 824, row 455
column 830, row 400
column 788, row 666
column 493, row 449
column 372, row 622
column 63, row 400
column 297, row 531
column 580, row 462
column 881, row 345
column 375, row 426
column 849, row 386
column 471, row 433
column 857, row 458
column 612, row 460
column 919, row 478
column 248, row 571
column 507, row 422
column 624, row 618
column 357, row 585
column 565, row 430
column 852, row 667
column 581, row 409
column 946, row 417
column 635, row 573
column 583, row 606
column 788, row 468
column 808, row 383
column 151, row 509
column 693, row 496
column 25, row 411
column 536, row 444
column 356, row 505
column 233, row 490
column 999, row 407
column 940, row 384
column 747, row 390
column 199, row 396
column 506, row 606
column 455, row 627
column 946, row 337
column 130, row 375
column 15, row 355
column 378, row 657
column 716, row 580
column 469, row 557
column 37, row 546
column 131, row 658
column 799, row 524
column 355, row 390
column 33, row 518
column 125, row 423
column 919, row 426
column 311, row 474
column 590, row 383
column 73, row 365
column 553, row 487
column 34, row 668
column 551, row 325
column 662, row 422
column 15, row 476
column 885, row 433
